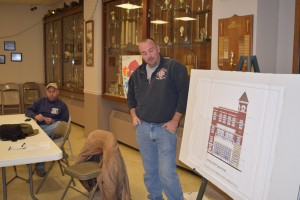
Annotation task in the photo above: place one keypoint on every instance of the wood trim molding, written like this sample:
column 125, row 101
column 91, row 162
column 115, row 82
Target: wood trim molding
column 296, row 54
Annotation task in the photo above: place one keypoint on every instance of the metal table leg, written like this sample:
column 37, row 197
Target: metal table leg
column 4, row 183
column 31, row 182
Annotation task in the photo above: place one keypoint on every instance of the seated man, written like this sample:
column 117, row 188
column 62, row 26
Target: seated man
column 48, row 112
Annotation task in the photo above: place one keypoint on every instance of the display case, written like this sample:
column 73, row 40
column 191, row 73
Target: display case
column 123, row 22
column 182, row 28
column 53, row 43
column 63, row 36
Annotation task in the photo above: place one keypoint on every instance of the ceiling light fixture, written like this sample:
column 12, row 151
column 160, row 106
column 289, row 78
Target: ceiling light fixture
column 158, row 22
column 128, row 6
column 185, row 18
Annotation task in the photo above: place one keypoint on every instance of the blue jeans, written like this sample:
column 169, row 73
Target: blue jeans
column 49, row 130
column 158, row 149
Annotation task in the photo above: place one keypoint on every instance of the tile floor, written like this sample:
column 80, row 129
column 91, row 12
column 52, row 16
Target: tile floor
column 55, row 183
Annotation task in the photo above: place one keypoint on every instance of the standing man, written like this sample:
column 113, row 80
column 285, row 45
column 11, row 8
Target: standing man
column 157, row 99
column 48, row 112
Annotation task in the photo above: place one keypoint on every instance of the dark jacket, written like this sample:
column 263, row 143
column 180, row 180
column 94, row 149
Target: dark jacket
column 56, row 110
column 157, row 100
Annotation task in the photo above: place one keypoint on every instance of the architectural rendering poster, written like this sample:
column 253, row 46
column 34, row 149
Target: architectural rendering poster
column 231, row 130
column 129, row 64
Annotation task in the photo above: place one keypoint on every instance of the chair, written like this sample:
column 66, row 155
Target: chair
column 31, row 92
column 101, row 146
column 11, row 98
column 1, row 112
column 69, row 142
column 58, row 139
column 82, row 171
column 62, row 130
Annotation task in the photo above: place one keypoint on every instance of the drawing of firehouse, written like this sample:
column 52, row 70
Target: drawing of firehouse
column 226, row 132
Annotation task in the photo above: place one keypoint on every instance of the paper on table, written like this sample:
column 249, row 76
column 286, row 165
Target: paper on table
column 17, row 146
column 37, row 146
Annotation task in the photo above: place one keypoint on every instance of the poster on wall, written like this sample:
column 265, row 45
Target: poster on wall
column 129, row 64
column 231, row 130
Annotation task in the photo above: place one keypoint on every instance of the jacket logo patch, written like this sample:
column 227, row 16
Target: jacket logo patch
column 161, row 74
column 54, row 111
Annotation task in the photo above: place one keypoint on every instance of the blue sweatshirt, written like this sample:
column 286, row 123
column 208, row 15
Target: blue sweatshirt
column 56, row 110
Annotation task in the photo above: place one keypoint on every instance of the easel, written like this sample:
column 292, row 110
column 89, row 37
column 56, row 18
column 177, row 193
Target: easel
column 203, row 186
column 251, row 62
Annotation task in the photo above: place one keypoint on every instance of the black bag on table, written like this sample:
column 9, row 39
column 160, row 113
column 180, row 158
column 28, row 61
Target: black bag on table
column 16, row 132
column 11, row 132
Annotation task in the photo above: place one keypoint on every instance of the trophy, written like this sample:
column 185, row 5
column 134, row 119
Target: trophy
column 128, row 28
column 166, row 2
column 113, row 21
column 181, row 3
column 231, row 58
column 181, row 30
column 162, row 25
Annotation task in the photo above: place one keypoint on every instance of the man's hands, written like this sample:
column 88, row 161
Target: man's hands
column 41, row 118
column 135, row 119
column 172, row 125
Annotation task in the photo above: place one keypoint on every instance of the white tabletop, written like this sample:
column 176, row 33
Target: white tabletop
column 25, row 156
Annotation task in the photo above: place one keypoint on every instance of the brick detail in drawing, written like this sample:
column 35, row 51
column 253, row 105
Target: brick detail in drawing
column 226, row 132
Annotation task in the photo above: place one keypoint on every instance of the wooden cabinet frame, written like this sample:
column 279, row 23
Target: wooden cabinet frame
column 296, row 55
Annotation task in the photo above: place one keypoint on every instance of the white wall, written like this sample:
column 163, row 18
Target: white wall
column 93, row 75
column 272, row 32
column 18, row 23
column 285, row 36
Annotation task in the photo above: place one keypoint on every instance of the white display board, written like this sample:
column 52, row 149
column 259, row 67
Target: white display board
column 242, row 133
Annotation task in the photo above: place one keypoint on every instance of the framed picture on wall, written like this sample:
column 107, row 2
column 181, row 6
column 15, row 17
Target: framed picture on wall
column 16, row 57
column 9, row 46
column 89, row 31
column 2, row 59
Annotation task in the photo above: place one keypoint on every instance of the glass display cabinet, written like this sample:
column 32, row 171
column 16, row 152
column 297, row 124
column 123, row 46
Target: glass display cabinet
column 53, row 42
column 123, row 22
column 73, row 51
column 182, row 28
column 63, row 34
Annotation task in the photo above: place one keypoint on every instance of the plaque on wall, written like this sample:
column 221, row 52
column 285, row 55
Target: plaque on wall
column 235, row 38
